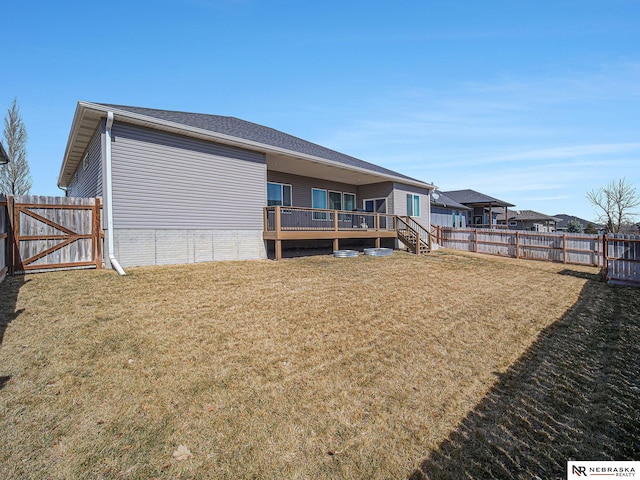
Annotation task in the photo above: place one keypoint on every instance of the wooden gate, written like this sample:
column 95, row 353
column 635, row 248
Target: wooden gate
column 48, row 233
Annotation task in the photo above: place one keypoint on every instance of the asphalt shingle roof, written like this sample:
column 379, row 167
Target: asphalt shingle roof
column 567, row 218
column 524, row 215
column 445, row 201
column 471, row 197
column 4, row 158
column 238, row 128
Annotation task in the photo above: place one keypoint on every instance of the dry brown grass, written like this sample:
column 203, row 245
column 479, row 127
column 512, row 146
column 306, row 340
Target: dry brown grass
column 304, row 368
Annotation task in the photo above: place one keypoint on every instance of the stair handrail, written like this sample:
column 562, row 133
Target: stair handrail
column 416, row 247
column 420, row 228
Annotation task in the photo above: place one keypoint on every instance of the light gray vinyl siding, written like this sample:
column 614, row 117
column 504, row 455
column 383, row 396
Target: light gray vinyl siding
column 168, row 181
column 301, row 187
column 400, row 192
column 87, row 182
column 377, row 190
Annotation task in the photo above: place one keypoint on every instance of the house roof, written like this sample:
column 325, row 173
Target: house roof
column 472, row 198
column 527, row 215
column 564, row 220
column 4, row 158
column 223, row 129
column 439, row 199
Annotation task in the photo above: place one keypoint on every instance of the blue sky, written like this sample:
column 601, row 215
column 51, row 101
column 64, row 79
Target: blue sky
column 534, row 102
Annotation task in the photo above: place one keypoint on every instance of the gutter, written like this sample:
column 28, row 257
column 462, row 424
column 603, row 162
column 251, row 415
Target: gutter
column 107, row 153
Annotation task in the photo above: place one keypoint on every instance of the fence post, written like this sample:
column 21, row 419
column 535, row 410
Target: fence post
column 605, row 263
column 475, row 240
column 97, row 232
column 517, row 244
column 564, row 247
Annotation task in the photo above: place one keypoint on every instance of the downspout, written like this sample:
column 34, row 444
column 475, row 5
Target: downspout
column 107, row 153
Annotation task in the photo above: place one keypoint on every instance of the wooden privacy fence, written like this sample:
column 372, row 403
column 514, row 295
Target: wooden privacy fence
column 577, row 248
column 619, row 255
column 48, row 233
column 622, row 259
column 4, row 237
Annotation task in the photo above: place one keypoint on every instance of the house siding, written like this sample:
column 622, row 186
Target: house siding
column 89, row 181
column 400, row 192
column 301, row 187
column 377, row 190
column 183, row 200
column 165, row 181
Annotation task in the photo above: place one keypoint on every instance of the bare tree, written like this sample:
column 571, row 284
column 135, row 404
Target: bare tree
column 15, row 176
column 616, row 201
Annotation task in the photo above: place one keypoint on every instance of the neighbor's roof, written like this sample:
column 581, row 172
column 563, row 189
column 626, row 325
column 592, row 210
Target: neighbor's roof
column 471, row 198
column 443, row 200
column 219, row 128
column 4, row 158
column 564, row 220
column 527, row 215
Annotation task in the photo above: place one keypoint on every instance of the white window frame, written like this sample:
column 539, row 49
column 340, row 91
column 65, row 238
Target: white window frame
column 365, row 200
column 329, row 206
column 282, row 185
column 411, row 205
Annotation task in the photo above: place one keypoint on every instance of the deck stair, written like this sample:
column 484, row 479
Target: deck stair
column 416, row 238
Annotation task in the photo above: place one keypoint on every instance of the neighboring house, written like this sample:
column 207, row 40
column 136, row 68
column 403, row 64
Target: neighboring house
column 446, row 212
column 564, row 220
column 483, row 211
column 185, row 187
column 4, row 158
column 528, row 220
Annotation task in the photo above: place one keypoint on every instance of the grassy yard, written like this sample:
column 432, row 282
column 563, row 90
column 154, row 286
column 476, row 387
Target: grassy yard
column 449, row 365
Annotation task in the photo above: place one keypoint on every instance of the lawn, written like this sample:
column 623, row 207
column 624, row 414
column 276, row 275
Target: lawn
column 448, row 365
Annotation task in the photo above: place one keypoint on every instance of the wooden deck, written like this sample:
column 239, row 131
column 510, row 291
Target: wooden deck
column 298, row 223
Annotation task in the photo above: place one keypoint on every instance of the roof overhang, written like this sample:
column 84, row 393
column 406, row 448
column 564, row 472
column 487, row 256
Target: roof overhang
column 88, row 116
column 4, row 158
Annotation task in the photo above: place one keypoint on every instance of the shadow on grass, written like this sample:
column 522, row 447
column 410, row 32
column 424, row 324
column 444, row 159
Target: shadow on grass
column 9, row 290
column 572, row 396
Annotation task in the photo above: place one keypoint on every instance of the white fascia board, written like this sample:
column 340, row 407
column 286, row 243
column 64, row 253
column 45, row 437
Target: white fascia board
column 239, row 142
column 72, row 134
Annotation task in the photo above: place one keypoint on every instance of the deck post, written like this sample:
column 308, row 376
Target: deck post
column 336, row 244
column 278, row 220
column 265, row 213
column 377, row 242
column 278, row 249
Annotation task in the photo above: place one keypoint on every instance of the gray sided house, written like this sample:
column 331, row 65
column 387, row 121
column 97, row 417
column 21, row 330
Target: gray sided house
column 446, row 212
column 185, row 187
column 4, row 158
column 528, row 220
column 483, row 208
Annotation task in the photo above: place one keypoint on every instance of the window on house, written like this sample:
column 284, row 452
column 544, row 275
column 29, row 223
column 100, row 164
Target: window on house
column 319, row 200
column 335, row 200
column 278, row 194
column 513, row 224
column 349, row 202
column 413, row 205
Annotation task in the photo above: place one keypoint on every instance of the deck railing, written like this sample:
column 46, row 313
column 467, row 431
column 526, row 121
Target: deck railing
column 277, row 218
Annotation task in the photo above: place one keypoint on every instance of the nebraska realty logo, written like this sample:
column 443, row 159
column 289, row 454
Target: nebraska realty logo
column 581, row 470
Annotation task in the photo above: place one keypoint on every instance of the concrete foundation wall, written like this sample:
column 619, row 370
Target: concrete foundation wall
column 168, row 247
